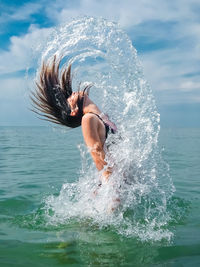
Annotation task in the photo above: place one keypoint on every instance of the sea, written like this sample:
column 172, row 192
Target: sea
column 35, row 163
column 53, row 211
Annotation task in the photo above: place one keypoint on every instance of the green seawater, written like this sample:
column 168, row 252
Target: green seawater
column 36, row 161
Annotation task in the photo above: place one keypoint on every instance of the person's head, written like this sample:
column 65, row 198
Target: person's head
column 54, row 97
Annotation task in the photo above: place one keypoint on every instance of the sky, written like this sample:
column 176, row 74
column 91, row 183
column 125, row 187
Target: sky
column 166, row 35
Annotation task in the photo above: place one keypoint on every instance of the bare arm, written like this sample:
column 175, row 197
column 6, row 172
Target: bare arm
column 92, row 140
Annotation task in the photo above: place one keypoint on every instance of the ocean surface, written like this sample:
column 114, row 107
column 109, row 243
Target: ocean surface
column 36, row 164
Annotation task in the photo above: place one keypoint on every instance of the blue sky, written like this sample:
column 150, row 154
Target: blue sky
column 166, row 35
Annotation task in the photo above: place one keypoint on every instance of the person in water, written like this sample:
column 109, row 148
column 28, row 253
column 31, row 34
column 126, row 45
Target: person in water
column 55, row 100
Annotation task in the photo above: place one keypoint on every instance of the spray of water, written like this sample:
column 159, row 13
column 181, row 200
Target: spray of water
column 134, row 201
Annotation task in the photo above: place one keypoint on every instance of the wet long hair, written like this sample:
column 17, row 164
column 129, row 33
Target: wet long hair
column 53, row 89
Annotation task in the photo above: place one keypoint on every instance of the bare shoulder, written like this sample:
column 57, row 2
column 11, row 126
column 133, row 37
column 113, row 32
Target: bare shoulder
column 89, row 127
column 93, row 129
column 89, row 119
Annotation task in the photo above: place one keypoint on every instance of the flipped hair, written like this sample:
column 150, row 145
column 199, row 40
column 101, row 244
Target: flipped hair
column 50, row 98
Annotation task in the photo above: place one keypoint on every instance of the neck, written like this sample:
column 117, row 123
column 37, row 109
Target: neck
column 89, row 106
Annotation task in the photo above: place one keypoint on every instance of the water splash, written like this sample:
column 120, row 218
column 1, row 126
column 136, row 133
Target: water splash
column 103, row 54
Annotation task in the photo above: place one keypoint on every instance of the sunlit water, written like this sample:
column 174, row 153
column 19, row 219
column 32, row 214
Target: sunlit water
column 134, row 201
column 36, row 163
column 49, row 212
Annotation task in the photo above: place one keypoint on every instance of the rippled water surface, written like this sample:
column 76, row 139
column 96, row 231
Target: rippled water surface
column 34, row 165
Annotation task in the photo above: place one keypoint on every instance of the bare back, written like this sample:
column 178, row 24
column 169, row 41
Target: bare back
column 94, row 134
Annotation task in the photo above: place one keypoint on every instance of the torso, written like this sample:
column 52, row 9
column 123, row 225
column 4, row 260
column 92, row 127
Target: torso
column 101, row 128
column 102, row 131
column 95, row 127
column 104, row 125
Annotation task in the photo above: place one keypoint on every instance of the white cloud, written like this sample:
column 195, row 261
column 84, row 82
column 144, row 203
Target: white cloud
column 19, row 13
column 22, row 48
column 25, row 11
column 12, row 88
column 165, row 69
column 168, row 70
column 128, row 13
column 189, row 85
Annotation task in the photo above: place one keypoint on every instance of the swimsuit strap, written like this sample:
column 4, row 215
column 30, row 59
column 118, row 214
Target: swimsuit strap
column 107, row 128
